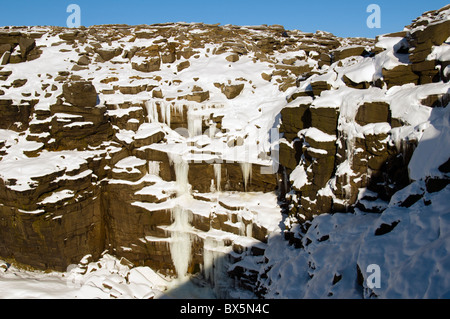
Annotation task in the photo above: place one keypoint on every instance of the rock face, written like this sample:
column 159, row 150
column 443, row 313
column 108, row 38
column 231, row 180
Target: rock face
column 151, row 143
column 18, row 46
column 94, row 162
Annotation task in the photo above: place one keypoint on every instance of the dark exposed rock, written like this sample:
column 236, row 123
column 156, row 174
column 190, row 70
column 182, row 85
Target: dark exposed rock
column 232, row 91
column 343, row 53
column 436, row 184
column 80, row 93
column 150, row 65
column 385, row 228
column 445, row 168
column 375, row 112
column 13, row 114
column 400, row 75
column 109, row 53
column 26, row 45
column 183, row 65
column 436, row 100
column 295, row 119
column 325, row 119
column 422, row 40
column 411, row 200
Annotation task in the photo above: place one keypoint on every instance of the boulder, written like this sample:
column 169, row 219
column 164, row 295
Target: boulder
column 400, row 75
column 14, row 117
column 232, row 91
column 149, row 65
column 297, row 70
column 4, row 59
column 26, row 45
column 183, row 65
column 232, row 58
column 422, row 40
column 84, row 60
column 319, row 86
column 69, row 35
column 436, row 100
column 80, row 93
column 132, row 89
column 373, row 112
column 196, row 96
column 295, row 119
column 352, row 84
column 108, row 53
column 345, row 52
column 267, row 77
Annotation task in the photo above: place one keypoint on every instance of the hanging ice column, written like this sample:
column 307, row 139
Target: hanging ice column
column 164, row 108
column 218, row 175
column 180, row 244
column 246, row 173
column 195, row 124
column 215, row 264
column 181, row 173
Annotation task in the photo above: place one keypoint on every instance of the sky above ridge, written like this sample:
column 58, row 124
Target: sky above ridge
column 343, row 18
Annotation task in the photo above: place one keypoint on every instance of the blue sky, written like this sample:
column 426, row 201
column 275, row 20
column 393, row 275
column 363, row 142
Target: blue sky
column 343, row 18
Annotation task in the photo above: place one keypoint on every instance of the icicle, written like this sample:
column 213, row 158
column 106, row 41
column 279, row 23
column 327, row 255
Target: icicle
column 180, row 244
column 162, row 109
column 246, row 173
column 181, row 173
column 212, row 130
column 215, row 265
column 153, row 168
column 194, row 124
column 218, row 175
column 152, row 112
column 249, row 230
column 167, row 113
column 208, row 259
column 180, row 109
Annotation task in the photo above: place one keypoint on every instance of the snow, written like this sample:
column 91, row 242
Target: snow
column 317, row 135
column 428, row 157
column 440, row 53
column 405, row 101
column 299, row 177
column 78, row 124
column 147, row 130
column 415, row 272
column 25, row 170
column 180, row 243
column 57, row 196
column 361, row 72
column 129, row 162
column 333, row 245
column 103, row 279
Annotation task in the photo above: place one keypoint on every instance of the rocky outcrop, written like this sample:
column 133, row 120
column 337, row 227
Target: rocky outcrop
column 15, row 117
column 17, row 47
column 329, row 159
